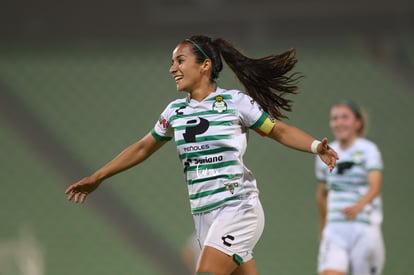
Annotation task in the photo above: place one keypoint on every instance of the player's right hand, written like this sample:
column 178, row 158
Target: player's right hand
column 81, row 189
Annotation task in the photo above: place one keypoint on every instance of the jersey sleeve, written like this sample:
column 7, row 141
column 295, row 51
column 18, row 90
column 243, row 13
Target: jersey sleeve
column 320, row 170
column 254, row 117
column 162, row 130
column 374, row 158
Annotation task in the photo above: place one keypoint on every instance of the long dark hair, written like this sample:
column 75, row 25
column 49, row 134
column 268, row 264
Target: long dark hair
column 265, row 79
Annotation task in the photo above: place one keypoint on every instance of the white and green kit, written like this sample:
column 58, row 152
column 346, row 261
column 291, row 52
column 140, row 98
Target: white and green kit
column 352, row 245
column 211, row 139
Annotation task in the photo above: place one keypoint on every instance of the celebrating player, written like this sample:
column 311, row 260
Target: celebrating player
column 210, row 128
column 349, row 199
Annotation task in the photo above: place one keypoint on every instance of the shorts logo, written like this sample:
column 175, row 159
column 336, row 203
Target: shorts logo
column 227, row 237
column 219, row 104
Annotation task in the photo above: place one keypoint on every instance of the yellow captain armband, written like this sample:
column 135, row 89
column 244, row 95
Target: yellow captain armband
column 264, row 125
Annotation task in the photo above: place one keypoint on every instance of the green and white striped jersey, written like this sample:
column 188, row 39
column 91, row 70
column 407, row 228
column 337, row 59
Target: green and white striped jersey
column 211, row 139
column 348, row 182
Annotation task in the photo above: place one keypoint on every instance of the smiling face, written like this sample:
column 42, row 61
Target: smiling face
column 344, row 124
column 185, row 69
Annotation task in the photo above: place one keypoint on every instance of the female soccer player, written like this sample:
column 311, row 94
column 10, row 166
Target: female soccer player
column 349, row 199
column 210, row 128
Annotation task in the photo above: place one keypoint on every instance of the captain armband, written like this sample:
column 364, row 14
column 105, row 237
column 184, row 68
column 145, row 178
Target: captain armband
column 266, row 127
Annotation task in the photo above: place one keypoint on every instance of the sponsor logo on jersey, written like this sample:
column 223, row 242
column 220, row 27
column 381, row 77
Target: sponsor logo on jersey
column 203, row 160
column 196, row 148
column 206, row 172
column 193, row 129
column 179, row 110
column 231, row 186
column 162, row 122
column 341, row 167
column 219, row 104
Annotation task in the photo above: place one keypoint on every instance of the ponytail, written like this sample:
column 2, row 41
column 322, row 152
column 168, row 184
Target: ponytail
column 265, row 79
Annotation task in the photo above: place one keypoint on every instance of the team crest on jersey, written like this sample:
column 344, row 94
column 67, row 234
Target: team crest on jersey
column 231, row 186
column 357, row 157
column 163, row 122
column 219, row 104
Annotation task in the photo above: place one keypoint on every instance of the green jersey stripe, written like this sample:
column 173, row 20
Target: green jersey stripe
column 212, row 123
column 197, row 114
column 351, row 175
column 207, row 193
column 158, row 137
column 346, row 220
column 337, row 189
column 204, row 138
column 260, row 121
column 204, row 167
column 214, row 205
column 179, row 104
column 374, row 169
column 207, row 152
column 224, row 176
column 347, row 183
column 344, row 200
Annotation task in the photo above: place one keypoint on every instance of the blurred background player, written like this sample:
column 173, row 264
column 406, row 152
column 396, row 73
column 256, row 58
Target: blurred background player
column 349, row 199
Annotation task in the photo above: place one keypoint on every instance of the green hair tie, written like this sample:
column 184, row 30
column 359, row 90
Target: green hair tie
column 199, row 48
column 353, row 106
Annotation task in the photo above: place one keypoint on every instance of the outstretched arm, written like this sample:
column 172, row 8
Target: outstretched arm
column 297, row 139
column 131, row 156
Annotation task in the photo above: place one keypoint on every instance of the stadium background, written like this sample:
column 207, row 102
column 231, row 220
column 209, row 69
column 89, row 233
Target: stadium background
column 81, row 80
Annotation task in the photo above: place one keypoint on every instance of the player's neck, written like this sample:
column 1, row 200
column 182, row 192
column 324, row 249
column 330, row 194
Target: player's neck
column 200, row 92
column 346, row 143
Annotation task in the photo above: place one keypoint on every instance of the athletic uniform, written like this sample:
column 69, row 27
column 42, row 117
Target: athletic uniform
column 356, row 245
column 211, row 139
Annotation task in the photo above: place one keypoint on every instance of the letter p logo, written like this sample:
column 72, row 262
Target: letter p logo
column 192, row 131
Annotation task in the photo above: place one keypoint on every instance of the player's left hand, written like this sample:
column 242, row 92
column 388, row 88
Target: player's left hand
column 352, row 211
column 327, row 154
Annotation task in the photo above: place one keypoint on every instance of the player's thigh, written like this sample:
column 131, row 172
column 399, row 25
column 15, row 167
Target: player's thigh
column 378, row 258
column 214, row 261
column 367, row 256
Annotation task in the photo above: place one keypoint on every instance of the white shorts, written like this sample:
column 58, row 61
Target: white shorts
column 354, row 247
column 233, row 228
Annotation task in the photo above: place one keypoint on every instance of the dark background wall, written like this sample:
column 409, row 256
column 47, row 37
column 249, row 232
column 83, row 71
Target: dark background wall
column 81, row 80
